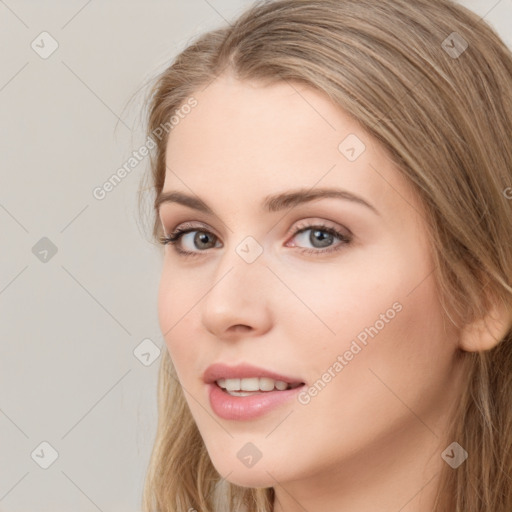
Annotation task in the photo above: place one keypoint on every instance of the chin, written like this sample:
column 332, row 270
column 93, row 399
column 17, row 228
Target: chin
column 248, row 478
column 235, row 473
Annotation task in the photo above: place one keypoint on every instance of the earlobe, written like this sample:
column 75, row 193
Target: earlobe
column 485, row 333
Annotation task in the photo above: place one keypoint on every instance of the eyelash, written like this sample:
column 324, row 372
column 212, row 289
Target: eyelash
column 174, row 237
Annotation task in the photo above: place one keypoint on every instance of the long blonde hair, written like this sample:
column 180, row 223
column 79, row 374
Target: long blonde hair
column 433, row 84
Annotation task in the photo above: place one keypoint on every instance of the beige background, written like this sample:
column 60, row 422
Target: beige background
column 75, row 371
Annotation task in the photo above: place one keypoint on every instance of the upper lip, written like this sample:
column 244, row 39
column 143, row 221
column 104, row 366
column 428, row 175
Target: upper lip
column 223, row 371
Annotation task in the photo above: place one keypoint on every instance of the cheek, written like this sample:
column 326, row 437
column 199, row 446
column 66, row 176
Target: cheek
column 404, row 361
column 346, row 298
column 165, row 302
column 382, row 312
column 406, row 355
column 175, row 299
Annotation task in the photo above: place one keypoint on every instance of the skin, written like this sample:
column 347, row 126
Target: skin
column 373, row 437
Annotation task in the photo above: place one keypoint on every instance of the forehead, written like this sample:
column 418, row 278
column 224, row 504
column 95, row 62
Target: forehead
column 252, row 140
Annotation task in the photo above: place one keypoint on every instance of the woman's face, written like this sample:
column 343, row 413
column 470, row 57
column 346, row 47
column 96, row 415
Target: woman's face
column 355, row 316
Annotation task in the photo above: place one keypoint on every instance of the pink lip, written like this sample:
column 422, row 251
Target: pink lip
column 246, row 407
column 223, row 371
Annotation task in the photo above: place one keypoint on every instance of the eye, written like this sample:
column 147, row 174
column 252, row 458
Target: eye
column 197, row 239
column 321, row 238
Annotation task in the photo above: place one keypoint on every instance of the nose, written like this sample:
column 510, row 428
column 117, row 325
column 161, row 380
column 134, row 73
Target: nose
column 238, row 300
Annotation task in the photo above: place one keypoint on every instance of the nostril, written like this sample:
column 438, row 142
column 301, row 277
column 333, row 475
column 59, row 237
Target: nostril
column 241, row 328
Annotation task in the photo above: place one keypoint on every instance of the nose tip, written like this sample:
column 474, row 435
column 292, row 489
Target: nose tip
column 237, row 304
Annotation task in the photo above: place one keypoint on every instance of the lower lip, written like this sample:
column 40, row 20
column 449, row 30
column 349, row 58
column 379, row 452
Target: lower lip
column 247, row 407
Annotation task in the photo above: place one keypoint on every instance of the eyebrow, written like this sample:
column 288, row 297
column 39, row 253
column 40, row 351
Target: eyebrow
column 272, row 203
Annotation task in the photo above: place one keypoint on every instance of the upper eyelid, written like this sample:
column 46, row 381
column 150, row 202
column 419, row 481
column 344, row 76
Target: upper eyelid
column 298, row 225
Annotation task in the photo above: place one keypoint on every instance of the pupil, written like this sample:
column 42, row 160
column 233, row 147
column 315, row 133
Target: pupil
column 201, row 238
column 324, row 238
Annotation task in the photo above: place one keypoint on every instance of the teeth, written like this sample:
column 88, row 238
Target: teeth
column 266, row 384
column 281, row 385
column 253, row 384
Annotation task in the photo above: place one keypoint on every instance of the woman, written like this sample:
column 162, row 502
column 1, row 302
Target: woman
column 333, row 191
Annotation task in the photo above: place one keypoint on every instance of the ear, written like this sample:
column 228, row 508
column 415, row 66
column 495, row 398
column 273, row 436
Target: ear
column 485, row 333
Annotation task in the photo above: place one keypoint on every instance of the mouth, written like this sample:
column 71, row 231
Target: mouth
column 247, row 377
column 254, row 385
column 249, row 398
